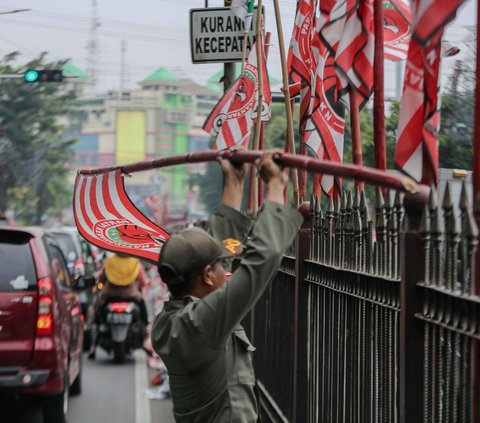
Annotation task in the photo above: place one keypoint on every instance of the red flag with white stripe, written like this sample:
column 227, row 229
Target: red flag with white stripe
column 431, row 16
column 355, row 53
column 107, row 218
column 325, row 127
column 397, row 19
column 231, row 120
column 300, row 61
column 419, row 118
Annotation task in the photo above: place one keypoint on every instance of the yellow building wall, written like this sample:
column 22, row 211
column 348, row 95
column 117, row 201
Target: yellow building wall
column 130, row 131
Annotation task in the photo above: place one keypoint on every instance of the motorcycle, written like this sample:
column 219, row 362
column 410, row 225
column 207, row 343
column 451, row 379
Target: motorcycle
column 121, row 330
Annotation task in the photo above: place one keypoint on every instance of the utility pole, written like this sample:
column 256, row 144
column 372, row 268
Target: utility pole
column 123, row 69
column 455, row 77
column 92, row 45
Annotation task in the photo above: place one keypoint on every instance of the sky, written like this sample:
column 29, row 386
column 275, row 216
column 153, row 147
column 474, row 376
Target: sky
column 155, row 34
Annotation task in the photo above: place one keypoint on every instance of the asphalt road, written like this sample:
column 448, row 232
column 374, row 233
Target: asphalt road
column 111, row 393
column 114, row 393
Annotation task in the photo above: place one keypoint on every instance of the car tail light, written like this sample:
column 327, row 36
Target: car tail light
column 45, row 310
column 121, row 307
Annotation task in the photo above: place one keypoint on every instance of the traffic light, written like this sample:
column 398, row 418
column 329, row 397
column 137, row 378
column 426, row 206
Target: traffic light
column 44, row 75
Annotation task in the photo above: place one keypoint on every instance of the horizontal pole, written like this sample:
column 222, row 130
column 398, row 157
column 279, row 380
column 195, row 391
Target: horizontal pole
column 383, row 178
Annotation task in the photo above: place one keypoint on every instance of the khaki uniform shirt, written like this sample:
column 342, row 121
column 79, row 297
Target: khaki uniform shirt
column 205, row 349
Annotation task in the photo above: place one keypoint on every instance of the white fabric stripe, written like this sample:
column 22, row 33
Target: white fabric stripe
column 87, row 202
column 100, row 200
column 412, row 101
column 327, row 183
column 414, row 165
column 78, row 209
column 422, row 6
column 117, row 203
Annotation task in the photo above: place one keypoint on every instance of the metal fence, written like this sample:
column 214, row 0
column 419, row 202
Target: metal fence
column 373, row 319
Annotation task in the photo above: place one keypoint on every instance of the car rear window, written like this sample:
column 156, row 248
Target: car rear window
column 67, row 246
column 16, row 263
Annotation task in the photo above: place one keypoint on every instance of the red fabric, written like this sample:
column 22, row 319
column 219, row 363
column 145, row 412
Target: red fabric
column 416, row 151
column 107, row 218
column 231, row 121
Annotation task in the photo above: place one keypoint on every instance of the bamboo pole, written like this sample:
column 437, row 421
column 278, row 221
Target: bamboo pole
column 288, row 111
column 387, row 179
column 244, row 50
column 262, row 127
column 357, row 154
column 247, row 23
column 258, row 124
column 379, row 95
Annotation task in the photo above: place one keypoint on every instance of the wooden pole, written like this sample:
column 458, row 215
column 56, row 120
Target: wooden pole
column 288, row 111
column 357, row 154
column 256, row 133
column 378, row 87
column 374, row 176
column 262, row 127
column 244, row 49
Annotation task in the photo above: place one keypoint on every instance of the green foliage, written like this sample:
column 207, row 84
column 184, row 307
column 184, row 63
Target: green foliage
column 456, row 131
column 33, row 153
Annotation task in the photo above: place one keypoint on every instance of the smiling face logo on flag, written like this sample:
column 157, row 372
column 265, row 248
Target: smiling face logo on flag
column 106, row 217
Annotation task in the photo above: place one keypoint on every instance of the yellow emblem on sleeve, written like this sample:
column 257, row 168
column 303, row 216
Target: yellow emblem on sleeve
column 232, row 245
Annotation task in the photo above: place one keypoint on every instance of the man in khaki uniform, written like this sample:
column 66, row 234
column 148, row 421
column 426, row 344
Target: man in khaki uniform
column 198, row 335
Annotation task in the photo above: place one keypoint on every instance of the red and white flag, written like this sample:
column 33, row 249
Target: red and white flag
column 300, row 60
column 325, row 126
column 419, row 118
column 431, row 16
column 355, row 53
column 232, row 119
column 397, row 21
column 107, row 218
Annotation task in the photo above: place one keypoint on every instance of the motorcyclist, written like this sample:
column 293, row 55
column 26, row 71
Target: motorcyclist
column 122, row 277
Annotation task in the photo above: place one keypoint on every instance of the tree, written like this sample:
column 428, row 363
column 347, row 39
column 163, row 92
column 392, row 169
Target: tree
column 33, row 152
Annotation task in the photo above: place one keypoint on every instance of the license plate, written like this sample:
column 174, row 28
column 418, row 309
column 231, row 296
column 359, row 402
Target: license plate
column 119, row 318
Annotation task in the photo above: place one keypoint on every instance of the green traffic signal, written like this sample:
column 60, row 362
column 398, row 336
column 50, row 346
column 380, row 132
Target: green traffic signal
column 43, row 75
column 31, row 75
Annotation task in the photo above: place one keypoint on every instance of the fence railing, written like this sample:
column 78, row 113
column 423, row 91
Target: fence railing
column 373, row 319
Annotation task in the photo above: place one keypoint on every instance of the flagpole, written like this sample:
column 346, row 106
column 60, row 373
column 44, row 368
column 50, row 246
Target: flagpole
column 357, row 154
column 247, row 23
column 379, row 95
column 262, row 127
column 288, row 111
column 258, row 124
column 379, row 177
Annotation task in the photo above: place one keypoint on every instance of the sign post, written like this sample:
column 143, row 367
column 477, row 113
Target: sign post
column 216, row 35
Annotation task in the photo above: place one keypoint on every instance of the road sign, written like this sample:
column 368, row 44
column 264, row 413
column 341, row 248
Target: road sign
column 216, row 35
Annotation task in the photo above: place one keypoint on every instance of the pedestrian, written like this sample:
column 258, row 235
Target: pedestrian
column 198, row 334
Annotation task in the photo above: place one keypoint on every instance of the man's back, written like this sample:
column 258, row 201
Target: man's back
column 206, row 351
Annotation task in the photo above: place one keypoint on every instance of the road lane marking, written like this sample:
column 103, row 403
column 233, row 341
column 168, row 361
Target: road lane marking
column 142, row 404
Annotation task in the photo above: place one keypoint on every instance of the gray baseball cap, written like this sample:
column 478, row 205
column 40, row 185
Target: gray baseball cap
column 188, row 252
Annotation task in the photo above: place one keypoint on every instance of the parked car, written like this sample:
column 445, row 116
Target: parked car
column 41, row 328
column 78, row 252
column 81, row 259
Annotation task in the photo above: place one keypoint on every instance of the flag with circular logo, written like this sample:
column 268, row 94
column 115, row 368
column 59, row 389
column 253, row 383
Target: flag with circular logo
column 106, row 217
